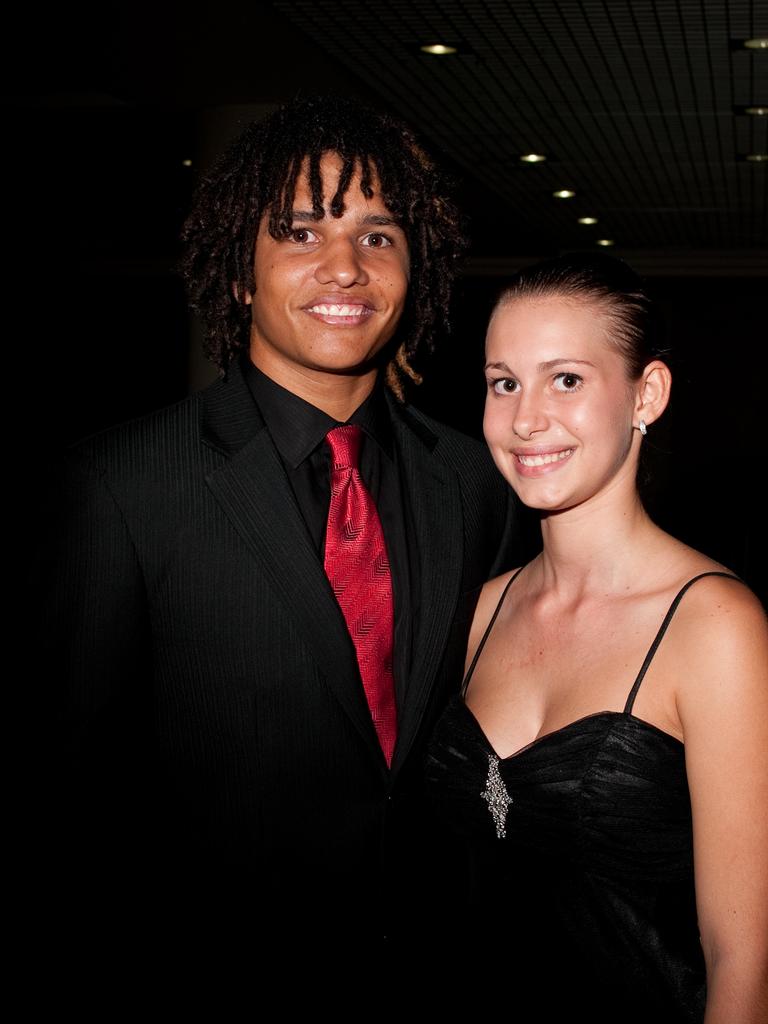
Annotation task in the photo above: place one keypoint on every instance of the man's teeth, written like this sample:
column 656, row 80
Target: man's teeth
column 544, row 460
column 337, row 310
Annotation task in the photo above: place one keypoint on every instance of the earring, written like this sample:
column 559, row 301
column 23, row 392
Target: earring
column 643, row 428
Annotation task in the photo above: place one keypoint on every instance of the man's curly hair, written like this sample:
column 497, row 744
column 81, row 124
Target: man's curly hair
column 257, row 175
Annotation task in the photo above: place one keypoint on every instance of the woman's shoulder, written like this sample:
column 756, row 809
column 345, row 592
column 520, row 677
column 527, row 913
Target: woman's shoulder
column 720, row 628
column 494, row 590
column 713, row 593
column 491, row 595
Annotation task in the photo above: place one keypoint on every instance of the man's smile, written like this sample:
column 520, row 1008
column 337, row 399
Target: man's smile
column 341, row 310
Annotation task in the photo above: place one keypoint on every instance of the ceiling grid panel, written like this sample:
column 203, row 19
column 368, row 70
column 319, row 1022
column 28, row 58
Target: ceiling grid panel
column 632, row 102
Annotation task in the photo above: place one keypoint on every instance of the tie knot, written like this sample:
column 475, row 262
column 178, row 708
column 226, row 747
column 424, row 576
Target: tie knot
column 344, row 443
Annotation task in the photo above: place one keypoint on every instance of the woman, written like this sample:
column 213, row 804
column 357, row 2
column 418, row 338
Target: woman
column 608, row 757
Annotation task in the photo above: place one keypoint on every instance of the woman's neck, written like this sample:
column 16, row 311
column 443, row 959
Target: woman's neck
column 606, row 546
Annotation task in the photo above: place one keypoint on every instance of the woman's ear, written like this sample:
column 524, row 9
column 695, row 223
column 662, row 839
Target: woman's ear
column 653, row 391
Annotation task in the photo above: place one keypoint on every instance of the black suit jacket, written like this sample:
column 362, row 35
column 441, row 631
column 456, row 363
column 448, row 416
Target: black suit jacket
column 220, row 747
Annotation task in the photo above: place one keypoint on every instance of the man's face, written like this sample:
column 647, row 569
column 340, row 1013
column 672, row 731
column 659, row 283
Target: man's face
column 329, row 296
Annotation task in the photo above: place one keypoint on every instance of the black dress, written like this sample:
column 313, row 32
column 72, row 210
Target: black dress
column 580, row 889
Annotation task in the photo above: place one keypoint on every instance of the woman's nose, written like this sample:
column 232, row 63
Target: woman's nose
column 530, row 415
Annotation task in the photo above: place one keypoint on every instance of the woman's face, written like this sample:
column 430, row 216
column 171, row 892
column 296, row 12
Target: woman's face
column 559, row 405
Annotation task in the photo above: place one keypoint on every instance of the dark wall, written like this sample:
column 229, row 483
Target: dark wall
column 101, row 318
column 120, row 348
column 705, row 465
column 98, row 323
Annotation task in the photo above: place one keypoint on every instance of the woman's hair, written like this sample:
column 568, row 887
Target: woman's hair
column 634, row 324
column 257, row 175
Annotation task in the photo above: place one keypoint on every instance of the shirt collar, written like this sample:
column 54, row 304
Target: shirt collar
column 297, row 427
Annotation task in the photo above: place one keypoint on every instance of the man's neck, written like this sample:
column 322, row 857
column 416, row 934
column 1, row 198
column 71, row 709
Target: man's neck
column 338, row 395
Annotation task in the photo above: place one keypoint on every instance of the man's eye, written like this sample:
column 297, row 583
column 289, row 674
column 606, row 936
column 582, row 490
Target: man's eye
column 376, row 240
column 302, row 235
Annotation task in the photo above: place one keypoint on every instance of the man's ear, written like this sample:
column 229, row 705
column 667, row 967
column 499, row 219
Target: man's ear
column 653, row 392
column 236, row 292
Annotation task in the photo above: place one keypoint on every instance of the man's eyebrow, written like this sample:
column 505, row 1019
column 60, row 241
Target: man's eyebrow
column 305, row 215
column 378, row 220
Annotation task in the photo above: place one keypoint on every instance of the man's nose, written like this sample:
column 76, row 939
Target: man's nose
column 341, row 263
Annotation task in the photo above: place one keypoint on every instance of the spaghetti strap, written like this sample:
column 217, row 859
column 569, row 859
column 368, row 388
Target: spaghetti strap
column 662, row 630
column 487, row 632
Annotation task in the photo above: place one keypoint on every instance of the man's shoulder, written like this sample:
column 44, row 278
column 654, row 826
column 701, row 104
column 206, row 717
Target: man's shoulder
column 445, row 440
column 160, row 431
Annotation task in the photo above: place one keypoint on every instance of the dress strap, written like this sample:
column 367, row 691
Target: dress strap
column 487, row 632
column 662, row 630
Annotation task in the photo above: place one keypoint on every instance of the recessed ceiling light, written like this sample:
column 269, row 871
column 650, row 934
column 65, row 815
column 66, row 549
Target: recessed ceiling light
column 587, row 220
column 757, row 158
column 533, row 158
column 438, row 49
column 186, row 163
column 761, row 43
column 605, row 241
column 756, row 111
column 564, row 193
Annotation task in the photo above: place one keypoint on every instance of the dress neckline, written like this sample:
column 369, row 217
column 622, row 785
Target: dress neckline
column 627, row 712
column 539, row 740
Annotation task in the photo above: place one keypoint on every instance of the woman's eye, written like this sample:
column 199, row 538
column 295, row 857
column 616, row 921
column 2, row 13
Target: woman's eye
column 504, row 385
column 375, row 240
column 568, row 382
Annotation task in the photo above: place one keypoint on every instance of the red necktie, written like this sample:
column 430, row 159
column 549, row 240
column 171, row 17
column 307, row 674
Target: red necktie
column 357, row 566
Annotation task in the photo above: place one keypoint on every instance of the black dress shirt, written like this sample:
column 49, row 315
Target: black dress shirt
column 298, row 430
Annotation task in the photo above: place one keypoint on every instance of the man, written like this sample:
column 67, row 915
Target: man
column 241, row 754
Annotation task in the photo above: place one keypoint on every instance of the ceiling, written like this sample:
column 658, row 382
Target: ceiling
column 636, row 104
column 631, row 102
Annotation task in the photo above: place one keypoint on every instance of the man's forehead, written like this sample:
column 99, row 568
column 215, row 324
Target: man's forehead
column 331, row 160
column 331, row 166
column 330, row 169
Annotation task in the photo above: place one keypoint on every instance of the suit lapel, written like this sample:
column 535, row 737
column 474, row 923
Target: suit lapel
column 432, row 491
column 254, row 493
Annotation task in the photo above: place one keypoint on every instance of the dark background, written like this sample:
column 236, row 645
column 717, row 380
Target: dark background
column 635, row 106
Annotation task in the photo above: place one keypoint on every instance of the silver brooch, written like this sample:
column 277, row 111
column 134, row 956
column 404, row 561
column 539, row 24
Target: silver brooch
column 496, row 796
